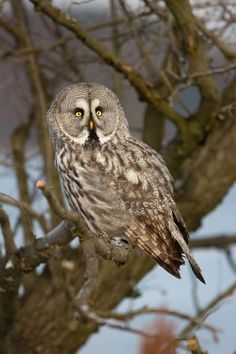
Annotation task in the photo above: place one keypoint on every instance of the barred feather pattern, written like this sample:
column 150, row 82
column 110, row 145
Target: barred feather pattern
column 123, row 189
column 120, row 185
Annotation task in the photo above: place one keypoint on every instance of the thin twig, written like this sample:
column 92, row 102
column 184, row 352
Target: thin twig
column 228, row 53
column 43, row 48
column 116, row 45
column 149, row 310
column 88, row 314
column 18, row 140
column 58, row 208
column 25, row 208
column 229, row 257
column 214, row 71
column 203, row 313
column 150, row 66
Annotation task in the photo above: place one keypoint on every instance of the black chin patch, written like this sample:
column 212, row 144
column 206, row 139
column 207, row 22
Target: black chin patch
column 93, row 140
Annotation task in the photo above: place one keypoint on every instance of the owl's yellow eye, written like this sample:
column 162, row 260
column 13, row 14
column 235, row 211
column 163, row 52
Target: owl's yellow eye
column 79, row 112
column 98, row 112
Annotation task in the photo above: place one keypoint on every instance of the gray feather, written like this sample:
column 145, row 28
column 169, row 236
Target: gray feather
column 119, row 184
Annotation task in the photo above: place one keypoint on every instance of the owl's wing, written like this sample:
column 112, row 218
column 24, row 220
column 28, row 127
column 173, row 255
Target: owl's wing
column 154, row 238
column 155, row 220
column 159, row 235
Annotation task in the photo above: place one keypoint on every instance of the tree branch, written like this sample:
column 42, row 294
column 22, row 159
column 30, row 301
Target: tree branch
column 33, row 50
column 7, row 232
column 19, row 139
column 194, row 346
column 203, row 313
column 26, row 209
column 228, row 53
column 127, row 316
column 37, row 82
column 58, row 208
column 196, row 51
column 142, row 86
column 221, row 241
column 27, row 258
column 214, row 71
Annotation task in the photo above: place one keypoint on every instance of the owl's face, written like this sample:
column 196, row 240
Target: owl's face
column 87, row 114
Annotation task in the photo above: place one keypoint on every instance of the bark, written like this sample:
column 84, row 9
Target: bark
column 204, row 178
column 47, row 323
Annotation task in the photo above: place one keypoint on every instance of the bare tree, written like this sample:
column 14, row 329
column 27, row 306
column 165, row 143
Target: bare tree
column 163, row 49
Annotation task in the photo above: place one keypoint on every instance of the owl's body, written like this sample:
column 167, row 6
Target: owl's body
column 120, row 185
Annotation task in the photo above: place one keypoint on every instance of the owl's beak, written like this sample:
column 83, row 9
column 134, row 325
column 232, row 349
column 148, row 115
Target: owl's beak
column 91, row 124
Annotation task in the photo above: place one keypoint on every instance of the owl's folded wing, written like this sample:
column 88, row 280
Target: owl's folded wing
column 157, row 224
column 154, row 238
column 159, row 235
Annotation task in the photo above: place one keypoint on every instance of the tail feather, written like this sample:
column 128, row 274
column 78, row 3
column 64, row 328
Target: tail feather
column 175, row 233
column 195, row 267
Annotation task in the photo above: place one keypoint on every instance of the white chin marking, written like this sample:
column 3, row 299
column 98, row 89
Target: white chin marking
column 103, row 138
column 78, row 140
column 82, row 138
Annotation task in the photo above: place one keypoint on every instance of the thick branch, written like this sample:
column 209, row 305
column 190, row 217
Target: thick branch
column 221, row 241
column 196, row 51
column 206, row 176
column 29, row 257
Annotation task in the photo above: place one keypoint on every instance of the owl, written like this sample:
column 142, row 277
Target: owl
column 120, row 186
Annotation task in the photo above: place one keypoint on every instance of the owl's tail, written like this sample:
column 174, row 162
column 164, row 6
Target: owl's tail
column 176, row 234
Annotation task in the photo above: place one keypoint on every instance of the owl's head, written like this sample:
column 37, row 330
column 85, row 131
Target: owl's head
column 86, row 114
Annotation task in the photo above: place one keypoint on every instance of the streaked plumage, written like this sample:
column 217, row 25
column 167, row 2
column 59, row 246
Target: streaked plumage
column 120, row 185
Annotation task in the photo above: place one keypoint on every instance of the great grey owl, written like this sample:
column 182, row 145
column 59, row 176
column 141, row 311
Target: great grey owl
column 120, row 186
